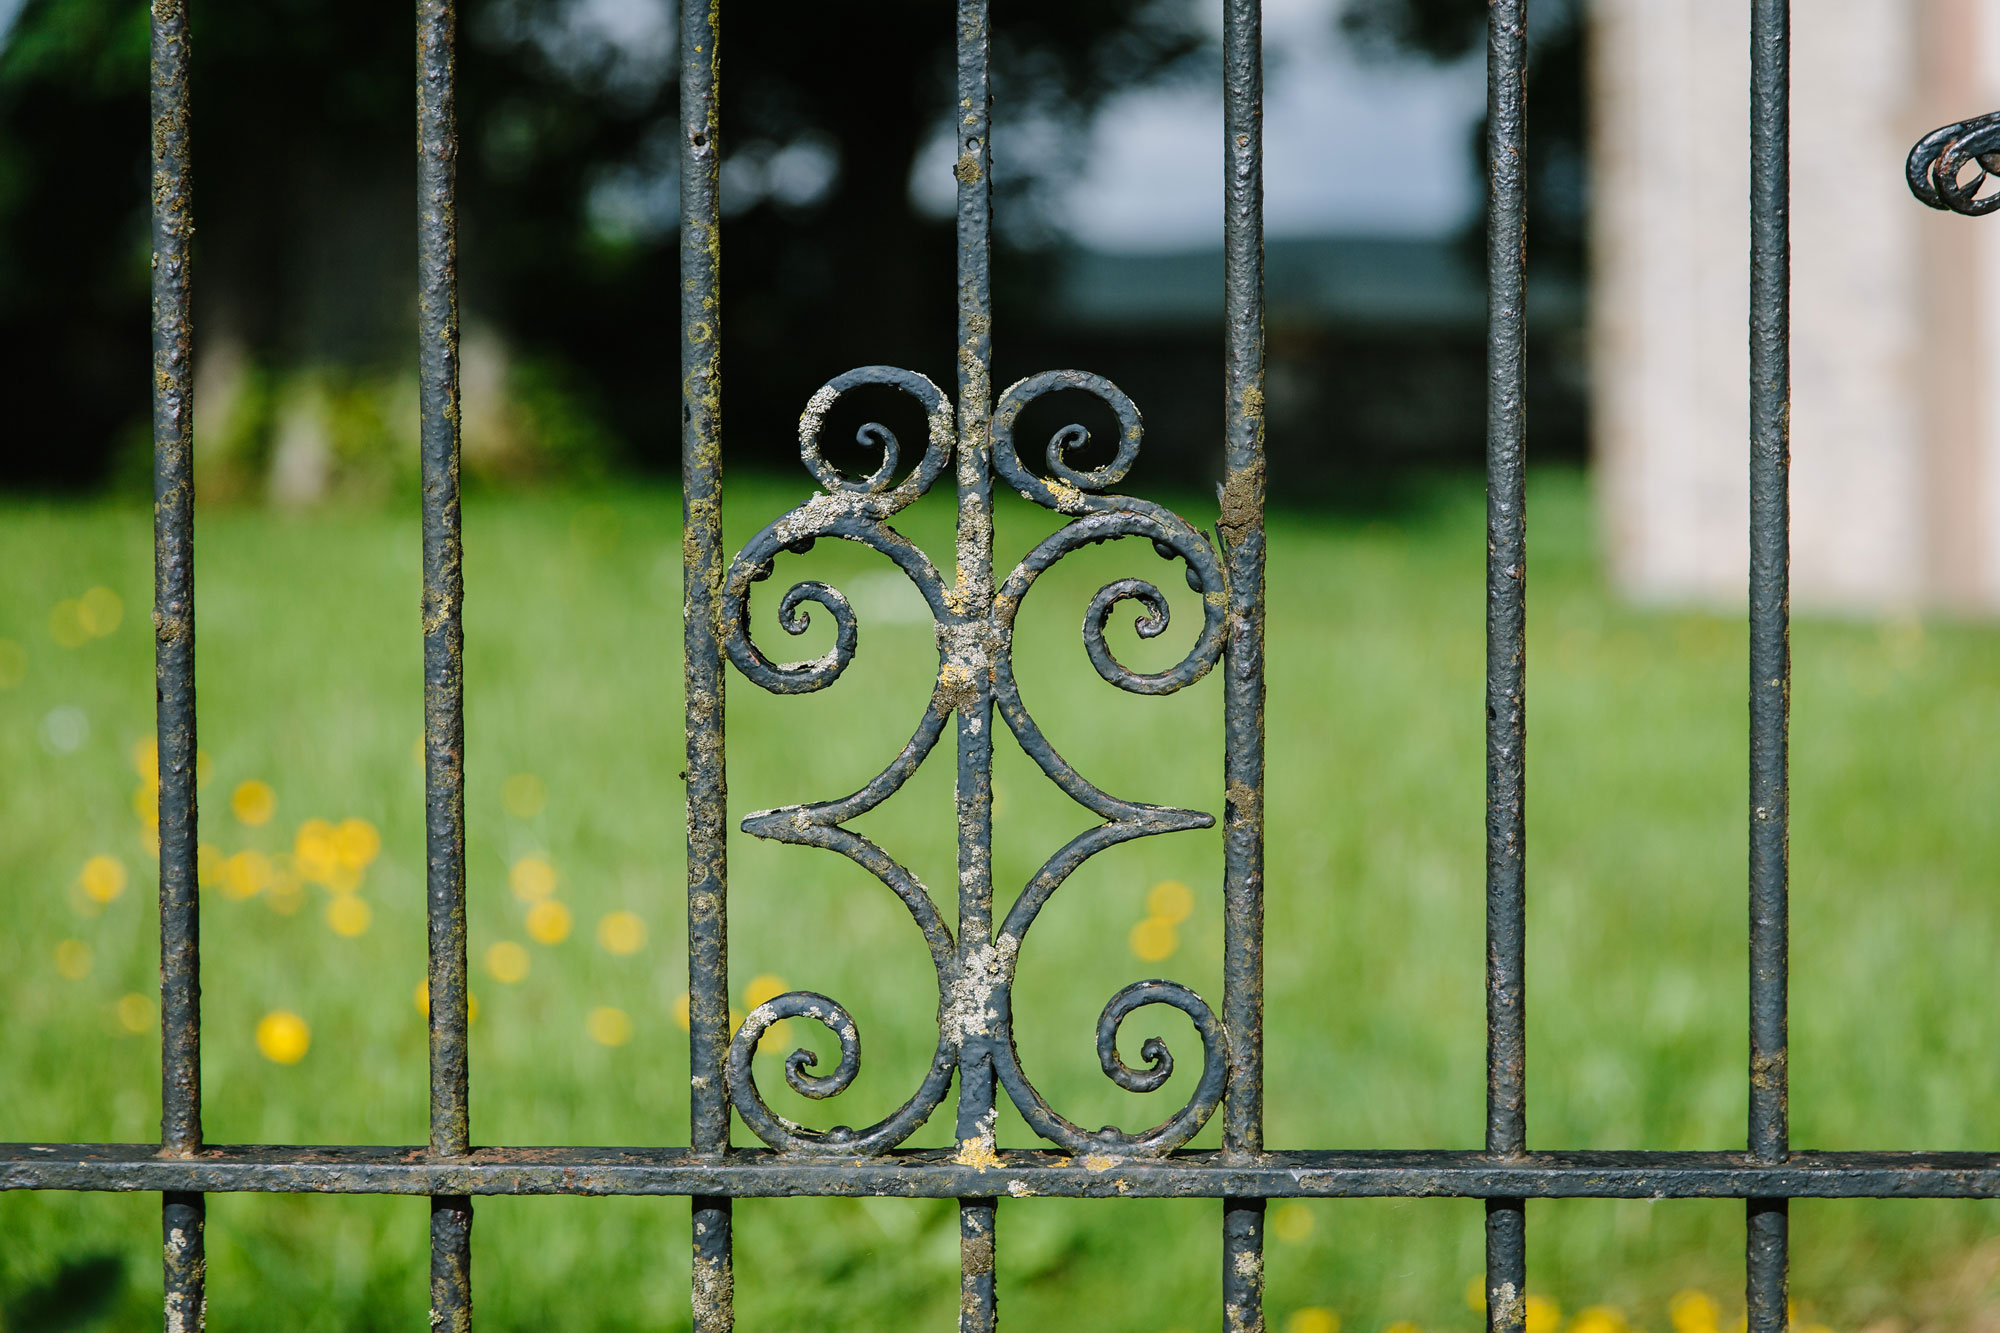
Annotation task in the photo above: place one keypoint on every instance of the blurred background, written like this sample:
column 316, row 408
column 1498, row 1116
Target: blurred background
column 838, row 252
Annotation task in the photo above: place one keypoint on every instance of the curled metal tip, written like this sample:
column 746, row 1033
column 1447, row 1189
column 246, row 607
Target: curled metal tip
column 1935, row 163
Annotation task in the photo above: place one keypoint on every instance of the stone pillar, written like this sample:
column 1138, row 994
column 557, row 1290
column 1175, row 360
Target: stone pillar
column 1896, row 457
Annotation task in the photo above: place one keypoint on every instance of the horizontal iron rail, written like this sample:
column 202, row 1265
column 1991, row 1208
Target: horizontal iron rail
column 924, row 1174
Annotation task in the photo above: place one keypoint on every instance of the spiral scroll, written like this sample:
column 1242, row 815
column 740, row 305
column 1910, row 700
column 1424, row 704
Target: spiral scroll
column 975, row 655
column 1938, row 159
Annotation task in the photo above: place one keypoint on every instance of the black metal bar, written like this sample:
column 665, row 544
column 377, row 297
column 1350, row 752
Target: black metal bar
column 939, row 1174
column 1770, row 639
column 978, row 1218
column 702, row 571
column 444, row 646
column 182, row 1214
column 1506, row 647
column 1241, row 530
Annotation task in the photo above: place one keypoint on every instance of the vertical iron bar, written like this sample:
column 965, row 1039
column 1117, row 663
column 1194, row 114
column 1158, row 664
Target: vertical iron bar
column 1770, row 641
column 714, row 1285
column 1240, row 528
column 977, row 1218
column 444, row 645
column 182, row 1215
column 1506, row 648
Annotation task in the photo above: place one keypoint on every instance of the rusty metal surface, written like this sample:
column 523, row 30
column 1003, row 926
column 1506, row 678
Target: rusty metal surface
column 182, row 1215
column 1012, row 1174
column 712, row 1268
column 444, row 645
column 1937, row 163
column 1506, row 647
column 1766, row 1248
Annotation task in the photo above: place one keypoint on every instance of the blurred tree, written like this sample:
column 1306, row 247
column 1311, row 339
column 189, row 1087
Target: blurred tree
column 305, row 195
column 1558, row 198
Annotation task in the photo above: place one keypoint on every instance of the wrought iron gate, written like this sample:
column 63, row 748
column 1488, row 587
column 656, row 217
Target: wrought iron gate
column 974, row 436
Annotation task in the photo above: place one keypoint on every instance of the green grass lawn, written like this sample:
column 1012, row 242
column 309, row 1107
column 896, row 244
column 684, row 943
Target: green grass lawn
column 310, row 683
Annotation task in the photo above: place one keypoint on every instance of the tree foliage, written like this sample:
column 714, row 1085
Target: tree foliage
column 305, row 195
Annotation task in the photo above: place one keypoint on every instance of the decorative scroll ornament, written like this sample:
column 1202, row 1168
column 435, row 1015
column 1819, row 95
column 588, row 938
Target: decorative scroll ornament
column 1940, row 157
column 975, row 981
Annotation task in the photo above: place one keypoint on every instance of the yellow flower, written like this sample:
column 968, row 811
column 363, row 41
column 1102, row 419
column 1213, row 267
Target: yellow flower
column 1475, row 1294
column 13, row 664
column 532, row 879
column 608, row 1026
column 135, row 1013
column 1402, row 1326
column 146, row 804
column 204, row 768
column 342, row 879
column 1313, row 1319
column 103, row 877
column 146, row 761
column 356, row 844
column 507, row 962
column 549, row 922
column 313, row 850
column 763, row 988
column 253, row 802
column 1154, row 939
column 283, row 1037
column 1544, row 1315
column 681, row 1011
column 209, row 864
column 523, row 795
column 245, row 875
column 423, row 997
column 74, row 959
column 621, row 933
column 1694, row 1312
column 66, row 623
column 1171, row 901
column 99, row 611
column 1600, row 1319
column 348, row 915
column 1291, row 1222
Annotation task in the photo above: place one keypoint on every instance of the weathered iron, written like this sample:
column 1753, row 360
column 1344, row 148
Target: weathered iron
column 975, row 436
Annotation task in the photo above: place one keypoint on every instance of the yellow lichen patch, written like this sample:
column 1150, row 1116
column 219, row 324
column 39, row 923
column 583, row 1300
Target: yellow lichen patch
column 1098, row 1162
column 1019, row 1189
column 532, row 879
column 1171, row 901
column 348, row 915
column 507, row 962
column 74, row 959
column 102, row 878
column 1154, row 939
column 283, row 1037
column 253, row 802
column 523, row 796
column 135, row 1013
column 549, row 922
column 1291, row 1222
column 608, row 1026
column 1313, row 1319
column 977, row 1153
column 621, row 932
